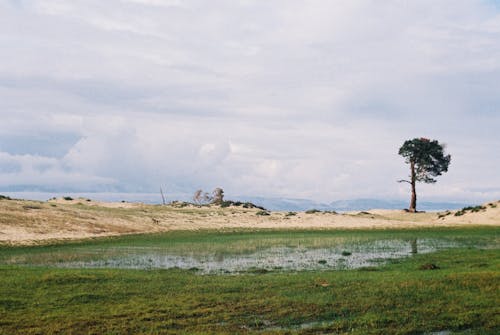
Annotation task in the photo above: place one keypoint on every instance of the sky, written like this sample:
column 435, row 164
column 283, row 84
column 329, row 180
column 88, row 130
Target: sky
column 281, row 98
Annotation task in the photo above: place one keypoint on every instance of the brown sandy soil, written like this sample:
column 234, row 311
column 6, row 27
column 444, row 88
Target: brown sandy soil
column 33, row 222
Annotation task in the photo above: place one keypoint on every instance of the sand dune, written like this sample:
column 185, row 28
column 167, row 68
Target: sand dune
column 32, row 222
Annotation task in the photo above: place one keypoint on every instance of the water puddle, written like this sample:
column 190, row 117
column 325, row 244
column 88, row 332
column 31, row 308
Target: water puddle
column 340, row 256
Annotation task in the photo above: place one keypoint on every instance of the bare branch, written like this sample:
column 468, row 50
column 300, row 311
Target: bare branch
column 404, row 181
column 198, row 197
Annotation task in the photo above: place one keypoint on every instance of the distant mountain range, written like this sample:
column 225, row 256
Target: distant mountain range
column 283, row 204
column 277, row 204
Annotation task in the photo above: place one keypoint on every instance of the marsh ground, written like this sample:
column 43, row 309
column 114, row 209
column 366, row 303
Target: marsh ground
column 453, row 289
column 81, row 266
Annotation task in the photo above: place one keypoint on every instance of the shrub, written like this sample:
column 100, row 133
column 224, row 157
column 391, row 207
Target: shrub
column 429, row 266
column 226, row 203
column 346, row 253
column 251, row 205
column 68, row 198
column 477, row 209
column 4, row 197
column 179, row 204
column 472, row 209
column 312, row 211
column 291, row 214
column 442, row 215
column 263, row 213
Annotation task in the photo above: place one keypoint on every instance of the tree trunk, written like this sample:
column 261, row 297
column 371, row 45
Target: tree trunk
column 413, row 202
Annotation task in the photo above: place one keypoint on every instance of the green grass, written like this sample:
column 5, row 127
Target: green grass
column 398, row 298
column 474, row 235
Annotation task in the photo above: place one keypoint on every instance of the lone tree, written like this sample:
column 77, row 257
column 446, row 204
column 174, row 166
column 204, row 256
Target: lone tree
column 218, row 196
column 427, row 160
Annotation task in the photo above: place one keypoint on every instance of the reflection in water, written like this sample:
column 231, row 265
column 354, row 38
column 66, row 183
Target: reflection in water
column 413, row 244
column 345, row 255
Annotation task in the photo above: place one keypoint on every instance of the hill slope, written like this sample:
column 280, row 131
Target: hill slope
column 29, row 222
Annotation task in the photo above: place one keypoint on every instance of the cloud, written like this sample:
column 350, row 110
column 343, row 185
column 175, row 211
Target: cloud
column 37, row 173
column 283, row 98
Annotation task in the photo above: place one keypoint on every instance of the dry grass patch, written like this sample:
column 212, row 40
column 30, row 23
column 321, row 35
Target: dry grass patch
column 23, row 221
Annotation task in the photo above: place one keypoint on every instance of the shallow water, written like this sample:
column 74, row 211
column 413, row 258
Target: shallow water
column 285, row 257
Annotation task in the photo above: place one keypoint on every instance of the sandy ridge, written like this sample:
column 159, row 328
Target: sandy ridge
column 33, row 222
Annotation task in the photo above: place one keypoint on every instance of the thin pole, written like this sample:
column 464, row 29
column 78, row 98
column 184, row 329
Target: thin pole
column 162, row 196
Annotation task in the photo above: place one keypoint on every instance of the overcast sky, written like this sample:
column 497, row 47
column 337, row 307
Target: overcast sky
column 299, row 99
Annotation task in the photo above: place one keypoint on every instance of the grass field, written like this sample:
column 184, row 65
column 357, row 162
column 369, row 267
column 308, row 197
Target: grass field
column 454, row 289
